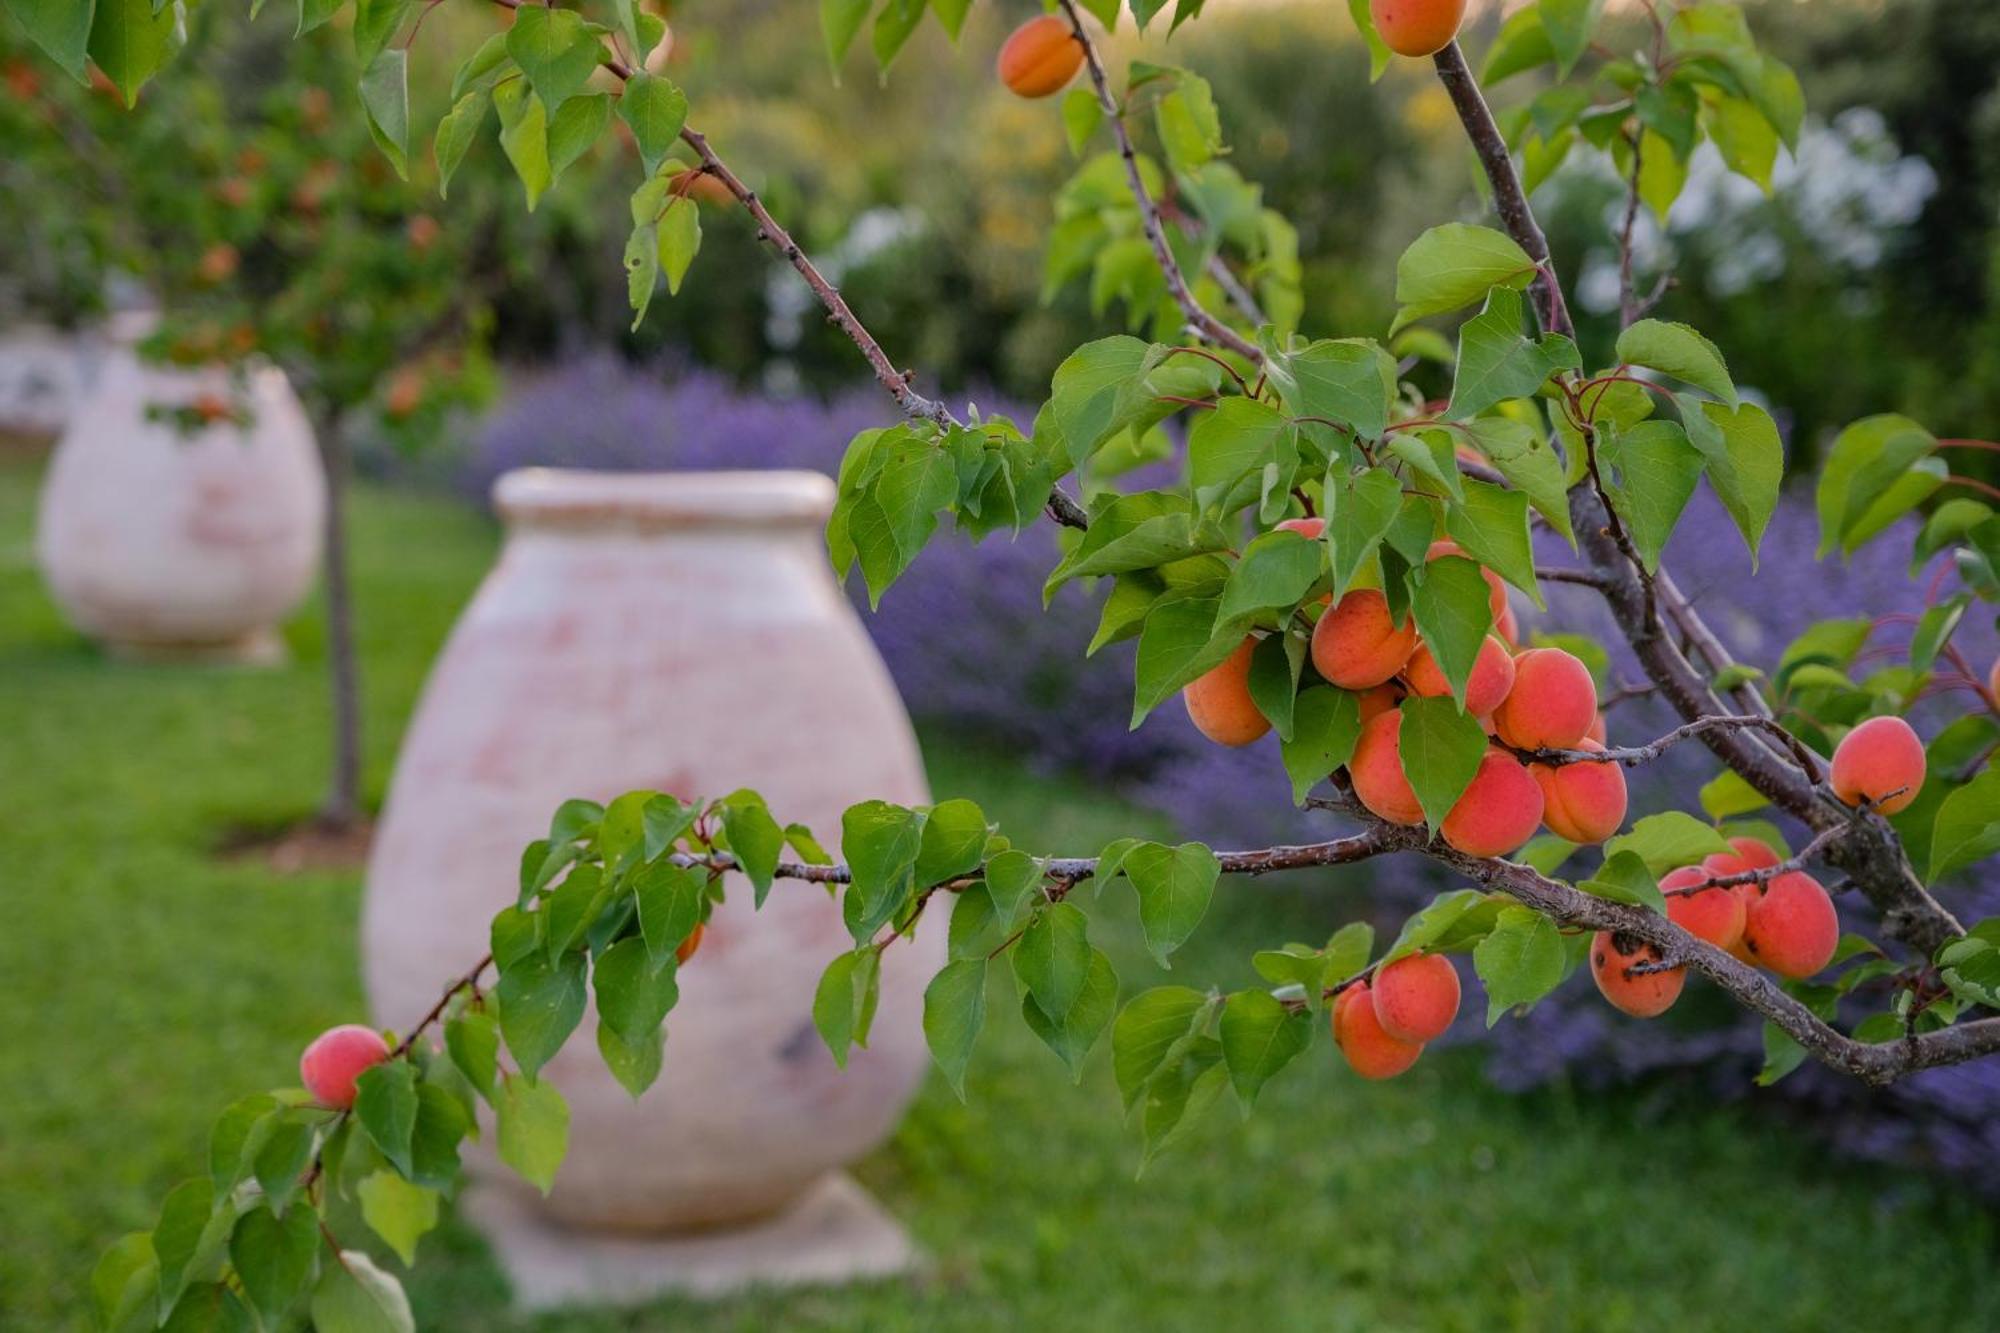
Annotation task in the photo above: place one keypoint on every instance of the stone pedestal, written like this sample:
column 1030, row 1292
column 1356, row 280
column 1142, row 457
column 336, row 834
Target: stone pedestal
column 833, row 1233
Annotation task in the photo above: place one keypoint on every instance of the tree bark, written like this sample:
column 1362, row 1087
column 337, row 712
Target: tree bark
column 341, row 808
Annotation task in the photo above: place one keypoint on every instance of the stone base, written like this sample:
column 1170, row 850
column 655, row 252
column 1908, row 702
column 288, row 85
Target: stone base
column 836, row 1233
column 259, row 648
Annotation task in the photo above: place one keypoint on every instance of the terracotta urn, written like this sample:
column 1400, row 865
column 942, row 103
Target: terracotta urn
column 680, row 632
column 165, row 534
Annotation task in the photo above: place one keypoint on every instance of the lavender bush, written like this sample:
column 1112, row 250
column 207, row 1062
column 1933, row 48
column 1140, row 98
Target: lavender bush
column 965, row 636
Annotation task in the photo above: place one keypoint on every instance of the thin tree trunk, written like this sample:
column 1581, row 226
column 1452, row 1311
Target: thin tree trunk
column 342, row 806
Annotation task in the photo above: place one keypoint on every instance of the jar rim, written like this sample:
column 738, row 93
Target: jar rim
column 580, row 497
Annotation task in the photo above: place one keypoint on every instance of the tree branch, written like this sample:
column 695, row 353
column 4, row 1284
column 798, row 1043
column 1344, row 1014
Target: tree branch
column 1633, row 755
column 1204, row 324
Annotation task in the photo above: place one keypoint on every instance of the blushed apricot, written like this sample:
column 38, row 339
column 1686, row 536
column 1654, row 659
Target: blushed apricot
column 336, row 1058
column 1499, row 811
column 1722, row 865
column 1792, row 927
column 1582, row 802
column 1881, row 761
column 1492, row 676
column 1417, row 27
column 1219, row 704
column 1755, row 853
column 1642, row 995
column 1715, row 915
column 1553, row 702
column 1598, row 732
column 1040, row 57
column 1370, row 1051
column 1496, row 586
column 1416, row 997
column 1358, row 645
column 1508, row 628
column 1379, row 700
column 691, row 943
column 1377, row 771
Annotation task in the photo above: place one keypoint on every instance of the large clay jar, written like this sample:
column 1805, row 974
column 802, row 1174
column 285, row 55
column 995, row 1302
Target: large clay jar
column 683, row 633
column 170, row 540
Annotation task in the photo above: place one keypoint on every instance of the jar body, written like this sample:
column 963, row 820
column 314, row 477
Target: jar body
column 164, row 540
column 649, row 633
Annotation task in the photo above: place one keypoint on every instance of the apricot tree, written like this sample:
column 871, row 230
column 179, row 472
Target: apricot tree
column 1338, row 564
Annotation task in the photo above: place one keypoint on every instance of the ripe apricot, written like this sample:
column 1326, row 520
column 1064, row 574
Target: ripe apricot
column 1495, row 585
column 1219, row 704
column 1881, row 761
column 1358, row 645
column 1582, row 802
column 1377, row 771
column 336, row 1058
column 1755, row 853
column 691, row 943
column 1598, row 732
column 1715, row 915
column 1499, row 811
column 1792, row 927
column 1417, row 27
column 1379, row 700
column 1553, row 702
column 1642, row 995
column 1040, row 57
column 1416, row 997
column 1508, row 628
column 1370, row 1051
column 1491, row 679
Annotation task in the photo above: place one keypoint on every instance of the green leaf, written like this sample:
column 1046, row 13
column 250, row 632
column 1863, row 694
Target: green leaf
column 1177, row 1100
column 1968, row 825
column 1441, row 749
column 1098, row 390
column 397, row 1211
column 634, row 991
column 456, row 134
column 670, row 901
column 840, row 21
column 953, row 842
column 1569, row 25
column 273, row 1256
column 755, row 838
column 1746, row 461
column 444, row 1119
column 524, row 135
column 1154, row 1029
column 1522, row 960
column 1081, row 116
column 1349, row 380
column 354, row 1296
column 240, row 1132
column 844, row 1001
column 1276, row 572
column 1259, row 1037
column 1052, row 957
column 656, row 110
column 385, row 1102
column 187, row 1239
column 129, row 39
column 1072, row 1035
column 556, row 49
column 1521, row 455
column 1668, row 841
column 1497, row 359
column 541, row 1002
column 1379, row 54
column 124, row 1286
column 1625, row 878
column 533, row 1131
column 680, row 241
column 1360, row 514
column 635, row 1064
column 880, row 842
column 1522, row 44
column 375, row 24
column 1874, row 474
column 954, row 1011
column 642, row 270
column 1174, row 885
column 1679, row 351
column 1451, row 266
column 1657, row 471
column 1727, row 794
column 1229, row 443
column 283, row 1157
column 60, row 27
column 1453, row 608
column 894, row 23
column 1012, row 877
column 1275, row 664
column 1177, row 643
column 385, row 96
column 576, row 125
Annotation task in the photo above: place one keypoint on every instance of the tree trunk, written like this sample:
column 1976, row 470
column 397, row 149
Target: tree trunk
column 342, row 807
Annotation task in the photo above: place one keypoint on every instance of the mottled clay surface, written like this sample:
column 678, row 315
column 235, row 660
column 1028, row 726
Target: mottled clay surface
column 684, row 633
column 168, row 543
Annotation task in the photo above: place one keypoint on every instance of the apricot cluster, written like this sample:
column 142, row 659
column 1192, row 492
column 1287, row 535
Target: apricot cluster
column 1786, row 923
column 1532, row 699
column 1381, row 1027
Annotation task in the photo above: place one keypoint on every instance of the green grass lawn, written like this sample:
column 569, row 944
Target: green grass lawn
column 144, row 983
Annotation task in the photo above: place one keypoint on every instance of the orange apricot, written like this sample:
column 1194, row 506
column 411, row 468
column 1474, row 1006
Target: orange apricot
column 1219, row 704
column 1792, row 927
column 1598, row 732
column 1582, row 802
column 1379, row 700
column 691, row 943
column 1377, row 771
column 1553, row 702
column 1358, row 645
column 1508, row 628
column 1416, row 997
column 1491, row 679
column 1499, row 811
column 1417, row 27
column 336, row 1058
column 1715, row 915
column 1881, row 761
column 1040, row 57
column 1641, row 994
column 1371, row 1052
column 1755, row 853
